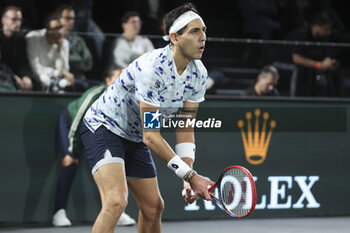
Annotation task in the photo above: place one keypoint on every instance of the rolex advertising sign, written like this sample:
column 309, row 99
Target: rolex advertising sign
column 296, row 154
column 256, row 142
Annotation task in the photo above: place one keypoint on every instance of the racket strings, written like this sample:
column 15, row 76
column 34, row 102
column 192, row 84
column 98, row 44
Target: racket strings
column 235, row 192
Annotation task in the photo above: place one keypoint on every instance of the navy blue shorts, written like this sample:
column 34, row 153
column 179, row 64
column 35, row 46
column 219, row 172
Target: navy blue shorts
column 104, row 147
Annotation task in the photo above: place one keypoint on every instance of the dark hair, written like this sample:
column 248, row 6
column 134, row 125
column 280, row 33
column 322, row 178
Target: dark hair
column 269, row 69
column 50, row 17
column 63, row 7
column 15, row 8
column 128, row 15
column 321, row 19
column 109, row 71
column 174, row 14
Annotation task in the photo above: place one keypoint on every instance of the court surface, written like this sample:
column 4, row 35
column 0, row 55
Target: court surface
column 282, row 225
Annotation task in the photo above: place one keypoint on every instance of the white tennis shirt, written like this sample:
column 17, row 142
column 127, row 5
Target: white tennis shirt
column 153, row 79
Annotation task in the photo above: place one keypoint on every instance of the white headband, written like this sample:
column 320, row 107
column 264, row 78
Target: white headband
column 181, row 22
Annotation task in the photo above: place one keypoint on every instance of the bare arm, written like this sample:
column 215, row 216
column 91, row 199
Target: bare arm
column 154, row 140
column 326, row 64
column 185, row 135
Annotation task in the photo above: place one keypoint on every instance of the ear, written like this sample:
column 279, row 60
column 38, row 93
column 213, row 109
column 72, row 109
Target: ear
column 173, row 37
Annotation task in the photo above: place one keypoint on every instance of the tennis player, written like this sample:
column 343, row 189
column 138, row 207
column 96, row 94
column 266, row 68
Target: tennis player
column 115, row 140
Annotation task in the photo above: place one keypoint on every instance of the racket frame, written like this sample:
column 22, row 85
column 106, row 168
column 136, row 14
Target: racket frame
column 251, row 180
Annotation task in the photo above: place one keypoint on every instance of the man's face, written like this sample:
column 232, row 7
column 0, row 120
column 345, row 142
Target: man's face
column 68, row 19
column 192, row 41
column 55, row 30
column 132, row 26
column 322, row 32
column 266, row 84
column 12, row 20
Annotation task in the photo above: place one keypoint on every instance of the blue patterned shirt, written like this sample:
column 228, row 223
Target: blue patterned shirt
column 152, row 79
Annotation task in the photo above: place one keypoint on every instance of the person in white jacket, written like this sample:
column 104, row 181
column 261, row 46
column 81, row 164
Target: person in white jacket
column 48, row 53
column 130, row 45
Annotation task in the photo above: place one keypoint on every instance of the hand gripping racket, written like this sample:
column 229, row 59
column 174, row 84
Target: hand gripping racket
column 234, row 192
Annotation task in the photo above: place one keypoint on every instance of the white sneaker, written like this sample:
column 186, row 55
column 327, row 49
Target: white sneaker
column 60, row 219
column 125, row 220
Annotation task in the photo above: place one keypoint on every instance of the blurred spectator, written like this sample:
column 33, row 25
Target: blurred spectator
column 258, row 21
column 160, row 43
column 48, row 53
column 265, row 83
column 317, row 66
column 297, row 13
column 13, row 47
column 7, row 79
column 85, row 23
column 130, row 45
column 150, row 11
column 69, row 135
column 258, row 17
column 30, row 10
column 80, row 59
column 292, row 14
column 216, row 78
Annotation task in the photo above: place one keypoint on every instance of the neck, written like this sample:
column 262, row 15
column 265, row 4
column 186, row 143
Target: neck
column 8, row 33
column 129, row 37
column 181, row 61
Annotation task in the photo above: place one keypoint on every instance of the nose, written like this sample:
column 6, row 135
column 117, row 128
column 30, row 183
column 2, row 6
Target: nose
column 203, row 36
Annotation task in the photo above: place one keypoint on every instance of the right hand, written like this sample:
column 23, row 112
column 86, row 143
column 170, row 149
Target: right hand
column 200, row 186
column 27, row 83
column 329, row 64
column 187, row 193
column 69, row 77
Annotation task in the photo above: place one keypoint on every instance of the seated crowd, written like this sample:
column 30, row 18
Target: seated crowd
column 58, row 59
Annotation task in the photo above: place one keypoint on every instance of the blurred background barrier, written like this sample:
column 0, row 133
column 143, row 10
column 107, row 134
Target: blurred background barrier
column 233, row 64
column 300, row 165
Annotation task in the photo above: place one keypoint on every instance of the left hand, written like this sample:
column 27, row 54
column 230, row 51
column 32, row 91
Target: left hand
column 186, row 193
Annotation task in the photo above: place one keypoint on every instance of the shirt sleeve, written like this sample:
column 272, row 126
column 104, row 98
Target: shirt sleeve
column 148, row 84
column 199, row 89
column 198, row 95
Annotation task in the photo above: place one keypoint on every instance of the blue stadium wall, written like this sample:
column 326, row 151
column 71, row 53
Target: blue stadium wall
column 301, row 171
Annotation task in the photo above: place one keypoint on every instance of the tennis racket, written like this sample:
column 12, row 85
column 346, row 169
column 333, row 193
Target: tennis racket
column 234, row 192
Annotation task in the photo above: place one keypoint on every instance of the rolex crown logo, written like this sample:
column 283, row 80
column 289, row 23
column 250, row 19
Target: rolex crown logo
column 256, row 142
